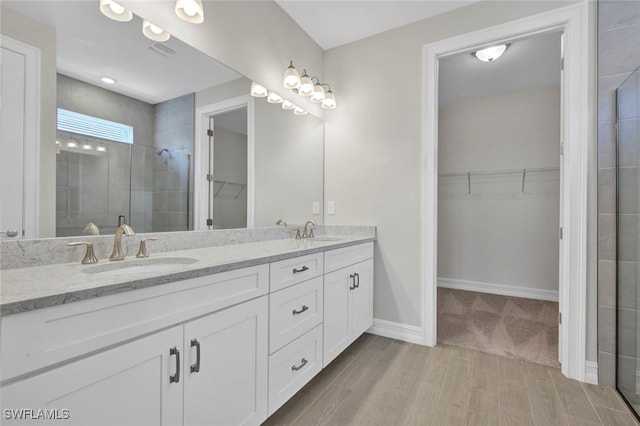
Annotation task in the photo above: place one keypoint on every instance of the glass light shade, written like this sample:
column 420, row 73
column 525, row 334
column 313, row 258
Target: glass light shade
column 274, row 98
column 190, row 11
column 318, row 94
column 154, row 32
column 287, row 104
column 72, row 143
column 291, row 78
column 86, row 146
column 299, row 111
column 329, row 100
column 490, row 54
column 101, row 148
column 306, row 86
column 258, row 90
column 114, row 11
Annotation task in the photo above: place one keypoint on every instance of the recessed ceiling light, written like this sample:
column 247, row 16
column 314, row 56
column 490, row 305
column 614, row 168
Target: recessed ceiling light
column 108, row 80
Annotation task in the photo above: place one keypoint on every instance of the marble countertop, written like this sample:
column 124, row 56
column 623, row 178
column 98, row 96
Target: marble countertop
column 36, row 287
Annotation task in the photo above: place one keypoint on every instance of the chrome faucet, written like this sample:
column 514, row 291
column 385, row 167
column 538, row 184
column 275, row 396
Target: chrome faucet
column 118, row 253
column 308, row 233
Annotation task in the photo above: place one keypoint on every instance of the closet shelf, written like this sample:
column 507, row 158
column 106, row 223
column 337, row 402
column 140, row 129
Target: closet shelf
column 524, row 172
column 239, row 186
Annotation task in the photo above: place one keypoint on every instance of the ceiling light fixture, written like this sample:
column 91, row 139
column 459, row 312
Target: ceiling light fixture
column 291, row 77
column 258, row 90
column 492, row 53
column 274, row 98
column 108, row 80
column 154, row 32
column 113, row 10
column 190, row 11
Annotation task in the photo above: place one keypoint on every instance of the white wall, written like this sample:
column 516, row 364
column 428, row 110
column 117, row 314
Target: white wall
column 20, row 27
column 373, row 143
column 498, row 234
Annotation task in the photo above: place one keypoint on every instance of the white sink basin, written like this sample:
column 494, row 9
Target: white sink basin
column 139, row 266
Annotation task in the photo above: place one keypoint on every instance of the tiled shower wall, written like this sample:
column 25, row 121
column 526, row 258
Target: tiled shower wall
column 618, row 56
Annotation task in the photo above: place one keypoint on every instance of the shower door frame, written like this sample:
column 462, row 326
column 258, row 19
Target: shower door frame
column 578, row 136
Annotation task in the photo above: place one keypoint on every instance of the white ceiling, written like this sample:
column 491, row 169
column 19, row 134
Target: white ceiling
column 333, row 23
column 89, row 45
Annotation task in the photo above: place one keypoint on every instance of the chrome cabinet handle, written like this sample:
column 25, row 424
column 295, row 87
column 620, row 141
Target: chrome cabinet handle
column 10, row 233
column 352, row 277
column 304, row 268
column 176, row 377
column 195, row 368
column 358, row 278
column 303, row 362
column 304, row 308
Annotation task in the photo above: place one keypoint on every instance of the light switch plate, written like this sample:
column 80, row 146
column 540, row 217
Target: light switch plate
column 316, row 207
column 331, row 207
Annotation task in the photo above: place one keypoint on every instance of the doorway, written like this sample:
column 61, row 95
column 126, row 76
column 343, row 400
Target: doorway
column 576, row 137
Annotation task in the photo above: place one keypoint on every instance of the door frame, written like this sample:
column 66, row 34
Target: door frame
column 31, row 143
column 200, row 189
column 577, row 138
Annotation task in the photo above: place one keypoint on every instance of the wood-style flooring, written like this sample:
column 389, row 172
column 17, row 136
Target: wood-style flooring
column 380, row 381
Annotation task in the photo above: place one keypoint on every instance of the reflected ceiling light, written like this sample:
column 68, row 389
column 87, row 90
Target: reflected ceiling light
column 72, row 143
column 101, row 148
column 190, row 11
column 299, row 111
column 258, row 90
column 86, row 146
column 329, row 101
column 154, row 32
column 291, row 77
column 274, row 98
column 490, row 54
column 113, row 10
column 306, row 85
column 287, row 104
column 108, row 80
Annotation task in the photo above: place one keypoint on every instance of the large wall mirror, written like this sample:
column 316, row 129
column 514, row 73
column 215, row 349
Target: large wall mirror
column 128, row 151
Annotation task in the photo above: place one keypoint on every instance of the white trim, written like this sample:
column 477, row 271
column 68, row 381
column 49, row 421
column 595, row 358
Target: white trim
column 201, row 163
column 501, row 289
column 591, row 372
column 31, row 201
column 577, row 137
column 395, row 330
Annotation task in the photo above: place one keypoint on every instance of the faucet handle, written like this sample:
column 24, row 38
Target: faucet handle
column 89, row 256
column 298, row 236
column 142, row 251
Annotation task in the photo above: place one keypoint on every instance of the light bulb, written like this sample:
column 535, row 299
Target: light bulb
column 274, row 98
column 291, row 77
column 115, row 11
column 490, row 54
column 72, row 143
column 329, row 100
column 116, row 8
column 190, row 11
column 318, row 94
column 86, row 146
column 299, row 111
column 306, row 85
column 257, row 90
column 287, row 104
column 108, row 80
column 154, row 32
column 101, row 148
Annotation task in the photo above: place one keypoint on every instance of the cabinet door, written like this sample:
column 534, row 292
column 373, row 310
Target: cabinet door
column 336, row 313
column 126, row 385
column 230, row 384
column 361, row 299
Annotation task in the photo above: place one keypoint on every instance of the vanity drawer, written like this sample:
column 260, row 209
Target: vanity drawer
column 343, row 257
column 294, row 311
column 293, row 366
column 291, row 271
column 43, row 337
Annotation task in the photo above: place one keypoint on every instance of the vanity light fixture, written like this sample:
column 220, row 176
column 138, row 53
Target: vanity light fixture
column 291, row 77
column 108, row 80
column 299, row 111
column 274, row 98
column 318, row 94
column 113, row 10
column 492, row 53
column 86, row 146
column 190, row 11
column 306, row 85
column 154, row 32
column 101, row 148
column 287, row 104
column 329, row 101
column 72, row 143
column 258, row 90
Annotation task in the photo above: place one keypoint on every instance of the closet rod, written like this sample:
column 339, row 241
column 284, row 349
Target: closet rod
column 499, row 172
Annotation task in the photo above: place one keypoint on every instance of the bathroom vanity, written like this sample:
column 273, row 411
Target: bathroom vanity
column 219, row 335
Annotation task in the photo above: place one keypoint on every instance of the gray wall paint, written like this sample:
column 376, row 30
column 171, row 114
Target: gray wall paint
column 498, row 234
column 230, row 166
column 618, row 56
column 36, row 34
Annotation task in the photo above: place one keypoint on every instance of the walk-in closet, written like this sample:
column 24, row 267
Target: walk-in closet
column 499, row 156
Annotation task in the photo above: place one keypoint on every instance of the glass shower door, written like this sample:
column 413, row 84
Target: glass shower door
column 628, row 217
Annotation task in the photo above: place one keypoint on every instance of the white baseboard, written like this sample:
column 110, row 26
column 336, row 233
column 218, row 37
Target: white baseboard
column 501, row 289
column 394, row 330
column 591, row 372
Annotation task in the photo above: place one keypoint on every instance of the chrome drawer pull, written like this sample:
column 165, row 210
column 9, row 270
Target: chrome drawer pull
column 304, row 308
column 304, row 268
column 195, row 368
column 303, row 362
column 176, row 377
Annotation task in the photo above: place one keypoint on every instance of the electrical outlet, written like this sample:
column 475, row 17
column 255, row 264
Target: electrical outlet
column 331, row 207
column 316, row 207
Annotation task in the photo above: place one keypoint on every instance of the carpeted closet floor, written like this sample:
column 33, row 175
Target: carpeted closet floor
column 510, row 326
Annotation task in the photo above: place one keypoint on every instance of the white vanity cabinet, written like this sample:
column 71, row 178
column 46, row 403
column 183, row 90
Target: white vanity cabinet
column 348, row 297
